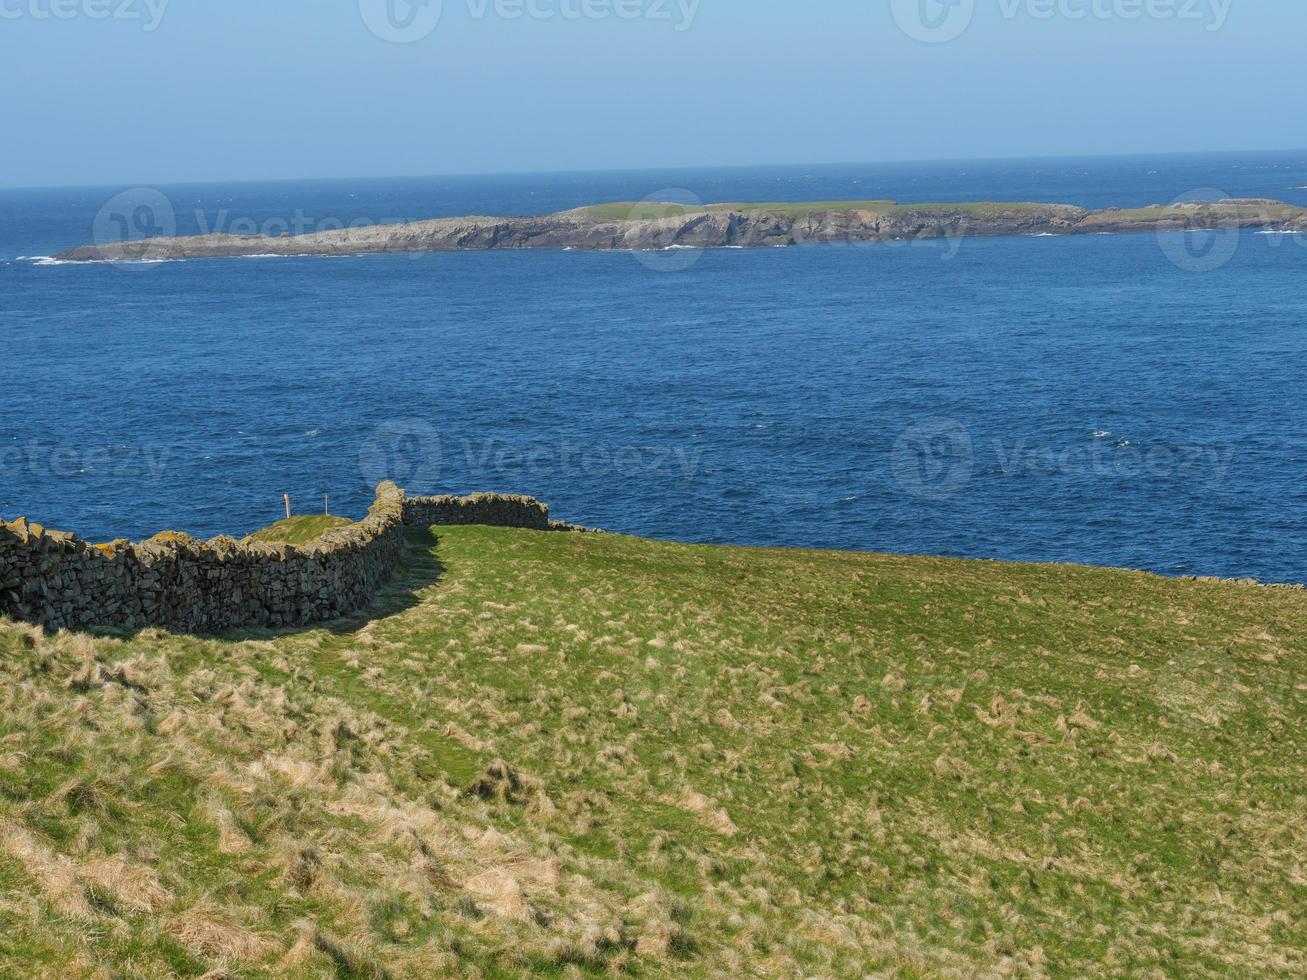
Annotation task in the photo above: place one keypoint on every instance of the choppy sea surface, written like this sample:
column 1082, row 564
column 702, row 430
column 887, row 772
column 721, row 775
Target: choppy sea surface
column 1131, row 401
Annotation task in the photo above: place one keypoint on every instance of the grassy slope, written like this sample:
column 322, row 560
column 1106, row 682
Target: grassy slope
column 578, row 753
column 639, row 210
column 298, row 529
column 1264, row 212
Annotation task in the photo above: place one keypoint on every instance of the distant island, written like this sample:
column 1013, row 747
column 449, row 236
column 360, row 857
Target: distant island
column 640, row 226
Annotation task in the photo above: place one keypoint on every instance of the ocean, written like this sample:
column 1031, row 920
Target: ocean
column 1131, row 401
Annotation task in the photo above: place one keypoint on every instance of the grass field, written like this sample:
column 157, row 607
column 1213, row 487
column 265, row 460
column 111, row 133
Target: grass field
column 645, row 210
column 575, row 755
column 298, row 529
column 1259, row 212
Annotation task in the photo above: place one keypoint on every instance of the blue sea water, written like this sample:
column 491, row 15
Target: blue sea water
column 1130, row 401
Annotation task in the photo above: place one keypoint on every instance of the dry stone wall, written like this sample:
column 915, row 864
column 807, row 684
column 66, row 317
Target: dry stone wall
column 501, row 510
column 54, row 579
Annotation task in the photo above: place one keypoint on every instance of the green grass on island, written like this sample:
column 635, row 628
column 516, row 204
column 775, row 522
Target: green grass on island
column 580, row 755
column 646, row 210
column 1265, row 211
column 298, row 529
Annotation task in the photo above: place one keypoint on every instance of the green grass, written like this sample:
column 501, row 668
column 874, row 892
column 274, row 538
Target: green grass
column 977, row 209
column 1262, row 212
column 591, row 754
column 638, row 211
column 802, row 208
column 644, row 210
column 298, row 530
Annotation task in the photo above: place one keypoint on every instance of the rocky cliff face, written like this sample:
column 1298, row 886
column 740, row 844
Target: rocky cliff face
column 715, row 226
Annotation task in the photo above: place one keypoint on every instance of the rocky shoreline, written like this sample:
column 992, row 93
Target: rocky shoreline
column 645, row 226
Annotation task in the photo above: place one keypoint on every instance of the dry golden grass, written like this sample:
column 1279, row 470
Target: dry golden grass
column 581, row 754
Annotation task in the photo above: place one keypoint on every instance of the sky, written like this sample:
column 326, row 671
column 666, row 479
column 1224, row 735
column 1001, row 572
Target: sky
column 97, row 92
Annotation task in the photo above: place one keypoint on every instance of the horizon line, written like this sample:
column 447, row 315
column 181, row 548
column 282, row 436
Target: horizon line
column 658, row 169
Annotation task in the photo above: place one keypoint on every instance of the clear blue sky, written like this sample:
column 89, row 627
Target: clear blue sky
column 248, row 89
